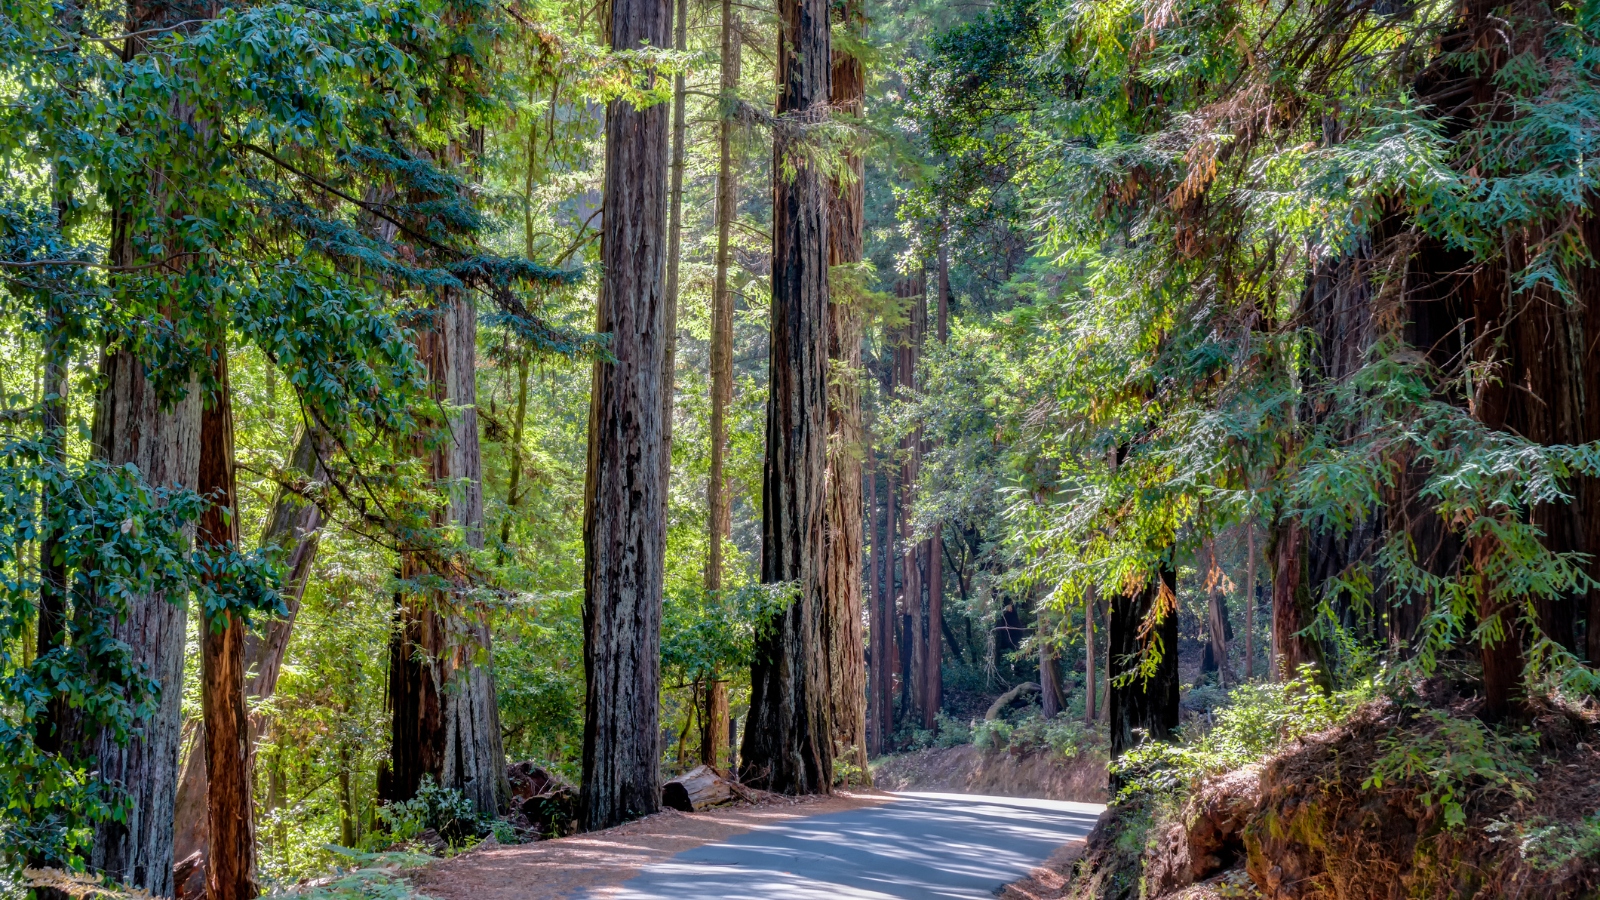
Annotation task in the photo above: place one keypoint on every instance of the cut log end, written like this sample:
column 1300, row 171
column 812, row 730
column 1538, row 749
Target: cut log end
column 699, row 788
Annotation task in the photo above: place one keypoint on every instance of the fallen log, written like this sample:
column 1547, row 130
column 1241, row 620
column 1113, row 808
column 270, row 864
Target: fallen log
column 697, row 789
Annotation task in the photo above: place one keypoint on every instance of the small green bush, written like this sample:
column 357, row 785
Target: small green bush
column 991, row 734
column 1454, row 760
column 444, row 810
column 952, row 732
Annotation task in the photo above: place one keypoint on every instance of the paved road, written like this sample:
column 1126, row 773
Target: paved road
column 916, row 846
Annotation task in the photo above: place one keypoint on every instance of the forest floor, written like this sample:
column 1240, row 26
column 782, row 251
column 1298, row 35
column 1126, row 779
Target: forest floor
column 855, row 845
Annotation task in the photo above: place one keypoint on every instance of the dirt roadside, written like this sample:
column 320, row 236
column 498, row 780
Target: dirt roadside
column 588, row 864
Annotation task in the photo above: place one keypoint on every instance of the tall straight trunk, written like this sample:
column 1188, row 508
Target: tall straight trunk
column 294, row 530
column 714, row 717
column 514, row 480
column 1217, row 631
column 669, row 361
column 1292, row 608
column 446, row 721
column 474, row 760
column 841, row 583
column 1050, row 694
column 933, row 690
column 892, row 644
column 132, row 425
column 788, row 744
column 1091, row 686
column 230, row 815
column 877, row 621
column 624, row 526
column 51, row 628
column 1144, row 708
column 1250, row 601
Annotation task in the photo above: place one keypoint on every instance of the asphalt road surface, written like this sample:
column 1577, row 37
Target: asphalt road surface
column 917, row 846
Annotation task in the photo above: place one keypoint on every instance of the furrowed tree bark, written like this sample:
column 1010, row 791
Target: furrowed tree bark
column 294, row 530
column 1292, row 609
column 161, row 437
column 474, row 760
column 876, row 620
column 716, row 729
column 1050, row 696
column 1145, row 622
column 230, row 814
column 788, row 744
column 841, row 583
column 132, row 425
column 624, row 526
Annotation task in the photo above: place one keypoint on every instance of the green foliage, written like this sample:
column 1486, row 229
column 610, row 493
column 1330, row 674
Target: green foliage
column 1452, row 760
column 445, row 811
column 1257, row 721
column 704, row 635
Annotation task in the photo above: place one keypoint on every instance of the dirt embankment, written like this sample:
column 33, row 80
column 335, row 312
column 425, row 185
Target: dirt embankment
column 1001, row 773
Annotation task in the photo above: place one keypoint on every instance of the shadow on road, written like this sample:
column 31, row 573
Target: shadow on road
column 919, row 846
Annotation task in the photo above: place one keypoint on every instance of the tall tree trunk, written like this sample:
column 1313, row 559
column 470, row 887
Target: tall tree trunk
column 841, row 581
column 669, row 360
column 714, row 718
column 1217, row 631
column 294, row 530
column 1140, row 705
column 877, row 620
column 52, row 574
column 1091, row 697
column 933, row 691
column 1250, row 601
column 230, row 814
column 624, row 532
column 788, row 744
column 474, row 760
column 1050, row 694
column 132, row 425
column 1292, row 609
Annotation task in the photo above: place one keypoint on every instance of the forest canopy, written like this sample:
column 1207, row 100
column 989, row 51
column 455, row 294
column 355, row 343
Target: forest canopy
column 395, row 389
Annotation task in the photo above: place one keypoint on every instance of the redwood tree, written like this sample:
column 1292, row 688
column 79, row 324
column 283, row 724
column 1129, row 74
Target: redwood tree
column 788, row 743
column 624, row 531
column 1144, row 627
column 841, row 581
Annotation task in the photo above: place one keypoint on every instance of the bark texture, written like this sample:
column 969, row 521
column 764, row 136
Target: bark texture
column 295, row 530
column 446, row 722
column 624, row 530
column 788, row 744
column 842, row 571
column 230, row 813
column 132, row 425
column 1144, row 708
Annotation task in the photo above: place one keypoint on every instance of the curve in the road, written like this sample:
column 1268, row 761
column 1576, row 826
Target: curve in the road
column 919, row 845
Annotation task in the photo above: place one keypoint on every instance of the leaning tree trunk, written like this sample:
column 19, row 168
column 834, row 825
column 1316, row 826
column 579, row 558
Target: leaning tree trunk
column 788, row 744
column 624, row 532
column 294, row 530
column 230, row 813
column 841, row 580
column 1139, row 704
